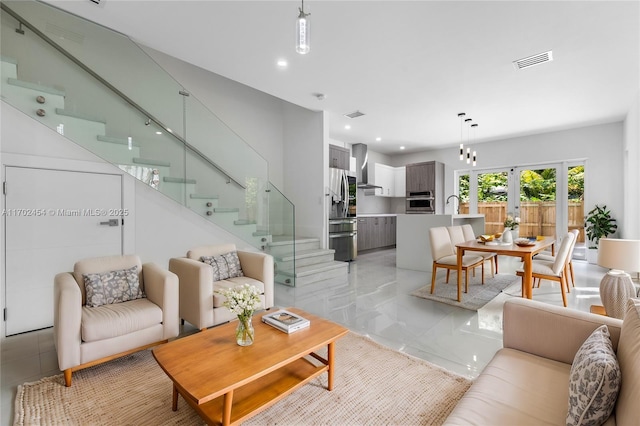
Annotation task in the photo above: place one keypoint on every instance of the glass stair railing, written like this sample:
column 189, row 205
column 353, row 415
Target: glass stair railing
column 99, row 89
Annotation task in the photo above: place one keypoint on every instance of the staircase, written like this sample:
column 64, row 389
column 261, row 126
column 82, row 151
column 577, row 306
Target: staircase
column 47, row 105
column 76, row 87
column 308, row 265
column 312, row 264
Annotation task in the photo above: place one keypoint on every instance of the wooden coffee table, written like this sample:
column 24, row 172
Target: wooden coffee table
column 227, row 383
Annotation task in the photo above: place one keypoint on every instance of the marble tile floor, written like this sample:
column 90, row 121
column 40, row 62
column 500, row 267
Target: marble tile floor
column 374, row 301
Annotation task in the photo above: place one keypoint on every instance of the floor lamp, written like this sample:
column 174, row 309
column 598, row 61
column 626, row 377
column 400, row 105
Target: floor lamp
column 616, row 286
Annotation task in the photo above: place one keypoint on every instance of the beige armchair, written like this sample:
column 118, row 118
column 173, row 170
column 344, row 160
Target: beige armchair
column 199, row 304
column 104, row 325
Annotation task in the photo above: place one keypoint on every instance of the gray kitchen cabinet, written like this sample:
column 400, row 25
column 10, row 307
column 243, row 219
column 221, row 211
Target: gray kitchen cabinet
column 364, row 234
column 427, row 176
column 339, row 157
column 376, row 232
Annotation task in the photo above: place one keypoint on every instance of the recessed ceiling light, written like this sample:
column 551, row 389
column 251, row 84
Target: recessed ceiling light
column 282, row 63
column 158, row 133
column 347, row 127
column 402, row 147
column 378, row 139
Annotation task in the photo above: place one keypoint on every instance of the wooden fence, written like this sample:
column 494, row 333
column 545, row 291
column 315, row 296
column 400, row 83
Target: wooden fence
column 536, row 217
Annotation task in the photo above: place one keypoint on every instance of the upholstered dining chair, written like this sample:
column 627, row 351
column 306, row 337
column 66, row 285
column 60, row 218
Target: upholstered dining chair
column 444, row 256
column 110, row 307
column 555, row 270
column 569, row 263
column 468, row 235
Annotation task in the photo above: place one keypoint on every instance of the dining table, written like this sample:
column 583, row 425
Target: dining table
column 524, row 252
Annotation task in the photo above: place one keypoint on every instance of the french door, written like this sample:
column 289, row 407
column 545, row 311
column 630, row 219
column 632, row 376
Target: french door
column 547, row 198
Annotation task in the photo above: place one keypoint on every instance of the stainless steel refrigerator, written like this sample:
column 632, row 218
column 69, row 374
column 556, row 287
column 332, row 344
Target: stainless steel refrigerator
column 343, row 231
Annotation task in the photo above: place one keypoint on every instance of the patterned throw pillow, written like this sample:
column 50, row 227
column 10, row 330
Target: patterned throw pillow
column 224, row 266
column 112, row 287
column 594, row 381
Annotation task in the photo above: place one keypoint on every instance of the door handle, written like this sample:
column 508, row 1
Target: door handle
column 110, row 222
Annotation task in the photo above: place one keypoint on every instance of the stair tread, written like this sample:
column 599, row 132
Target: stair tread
column 243, row 222
column 297, row 241
column 303, row 254
column 203, row 196
column 35, row 86
column 119, row 141
column 81, row 116
column 304, row 271
column 151, row 162
column 8, row 59
column 177, row 180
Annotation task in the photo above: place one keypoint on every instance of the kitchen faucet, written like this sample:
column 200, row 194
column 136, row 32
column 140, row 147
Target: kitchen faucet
column 457, row 198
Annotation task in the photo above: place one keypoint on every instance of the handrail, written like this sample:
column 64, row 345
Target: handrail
column 131, row 102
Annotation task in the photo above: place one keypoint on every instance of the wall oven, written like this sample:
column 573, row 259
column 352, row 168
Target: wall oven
column 420, row 202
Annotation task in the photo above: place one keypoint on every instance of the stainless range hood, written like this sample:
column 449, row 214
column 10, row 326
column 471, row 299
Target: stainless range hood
column 359, row 151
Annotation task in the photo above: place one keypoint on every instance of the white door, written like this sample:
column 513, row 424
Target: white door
column 52, row 219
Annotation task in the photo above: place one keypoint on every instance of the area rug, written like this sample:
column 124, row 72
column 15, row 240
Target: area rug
column 478, row 295
column 373, row 384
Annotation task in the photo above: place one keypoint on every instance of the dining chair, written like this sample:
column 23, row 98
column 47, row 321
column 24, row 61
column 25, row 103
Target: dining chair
column 569, row 262
column 469, row 235
column 555, row 270
column 444, row 256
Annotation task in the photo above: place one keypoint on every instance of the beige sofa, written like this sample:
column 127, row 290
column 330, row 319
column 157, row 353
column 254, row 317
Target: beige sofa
column 527, row 382
column 85, row 336
column 199, row 304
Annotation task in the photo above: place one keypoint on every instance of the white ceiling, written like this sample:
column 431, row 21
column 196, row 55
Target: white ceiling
column 410, row 66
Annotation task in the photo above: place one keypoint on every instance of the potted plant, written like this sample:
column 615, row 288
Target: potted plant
column 598, row 224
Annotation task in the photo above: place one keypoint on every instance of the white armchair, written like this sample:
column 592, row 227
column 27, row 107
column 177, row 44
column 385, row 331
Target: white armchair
column 86, row 335
column 199, row 304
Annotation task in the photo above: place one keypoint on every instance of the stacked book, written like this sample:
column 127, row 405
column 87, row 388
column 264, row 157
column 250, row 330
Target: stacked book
column 285, row 321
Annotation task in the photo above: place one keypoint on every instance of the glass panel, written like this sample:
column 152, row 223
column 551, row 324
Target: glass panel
column 537, row 202
column 463, row 193
column 227, row 151
column 575, row 203
column 133, row 73
column 57, row 92
column 133, row 114
column 492, row 200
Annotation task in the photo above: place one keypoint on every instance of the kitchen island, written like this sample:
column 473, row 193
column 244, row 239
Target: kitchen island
column 413, row 250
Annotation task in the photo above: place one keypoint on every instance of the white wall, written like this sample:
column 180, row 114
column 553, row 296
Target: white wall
column 306, row 166
column 631, row 222
column 601, row 146
column 256, row 117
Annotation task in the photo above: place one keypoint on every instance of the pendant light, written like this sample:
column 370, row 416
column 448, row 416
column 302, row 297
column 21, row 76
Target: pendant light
column 468, row 122
column 474, row 128
column 302, row 32
column 461, row 116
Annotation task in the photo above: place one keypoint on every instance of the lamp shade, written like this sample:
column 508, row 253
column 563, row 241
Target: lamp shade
column 619, row 254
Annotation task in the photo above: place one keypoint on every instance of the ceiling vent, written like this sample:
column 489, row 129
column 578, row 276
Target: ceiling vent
column 531, row 61
column 354, row 114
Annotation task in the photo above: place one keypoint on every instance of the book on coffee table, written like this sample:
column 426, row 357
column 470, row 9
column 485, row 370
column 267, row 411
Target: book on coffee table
column 285, row 321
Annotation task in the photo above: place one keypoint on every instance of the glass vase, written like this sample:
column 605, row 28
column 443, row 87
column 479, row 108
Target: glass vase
column 244, row 331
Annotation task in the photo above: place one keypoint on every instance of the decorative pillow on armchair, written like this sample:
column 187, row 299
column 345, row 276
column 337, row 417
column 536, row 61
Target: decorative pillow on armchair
column 112, row 287
column 224, row 266
column 594, row 380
